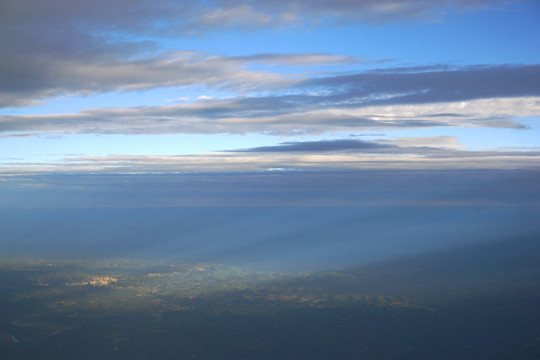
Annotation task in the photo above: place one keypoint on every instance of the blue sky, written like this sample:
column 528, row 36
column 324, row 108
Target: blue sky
column 168, row 87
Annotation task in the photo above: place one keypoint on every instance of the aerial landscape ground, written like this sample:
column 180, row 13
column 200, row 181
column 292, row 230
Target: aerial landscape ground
column 444, row 306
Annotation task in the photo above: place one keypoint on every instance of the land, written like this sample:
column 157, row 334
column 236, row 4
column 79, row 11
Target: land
column 476, row 304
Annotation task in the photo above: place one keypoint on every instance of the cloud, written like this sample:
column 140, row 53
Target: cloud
column 319, row 146
column 43, row 77
column 59, row 47
column 165, row 17
column 40, row 77
column 299, row 59
column 79, row 47
column 179, row 99
column 368, row 11
column 441, row 147
column 406, row 86
column 276, row 115
column 237, row 17
column 398, row 145
column 446, row 142
column 286, row 161
column 341, row 154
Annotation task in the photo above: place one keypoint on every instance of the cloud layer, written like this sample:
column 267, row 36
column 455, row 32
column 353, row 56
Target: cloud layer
column 77, row 47
column 63, row 48
column 434, row 153
column 489, row 96
column 317, row 188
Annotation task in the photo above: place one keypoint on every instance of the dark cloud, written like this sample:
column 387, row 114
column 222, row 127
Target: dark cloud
column 318, row 146
column 386, row 147
column 412, row 87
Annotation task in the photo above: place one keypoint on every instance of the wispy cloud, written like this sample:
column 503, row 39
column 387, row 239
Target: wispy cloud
column 337, row 154
column 409, row 86
column 42, row 77
column 58, row 47
column 268, row 115
column 299, row 59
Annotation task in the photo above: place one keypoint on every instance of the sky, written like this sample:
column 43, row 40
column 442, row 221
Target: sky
column 293, row 133
column 165, row 86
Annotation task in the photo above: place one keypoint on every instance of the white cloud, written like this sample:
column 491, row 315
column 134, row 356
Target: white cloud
column 254, row 115
column 262, row 162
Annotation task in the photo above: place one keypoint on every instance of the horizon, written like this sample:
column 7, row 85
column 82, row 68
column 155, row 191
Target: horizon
column 301, row 179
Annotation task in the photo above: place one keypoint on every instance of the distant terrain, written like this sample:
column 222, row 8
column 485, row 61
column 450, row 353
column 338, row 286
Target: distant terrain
column 475, row 303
